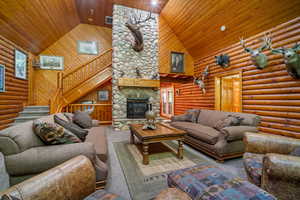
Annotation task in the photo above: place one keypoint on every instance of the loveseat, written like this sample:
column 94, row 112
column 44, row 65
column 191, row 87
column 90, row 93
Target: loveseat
column 221, row 144
column 26, row 155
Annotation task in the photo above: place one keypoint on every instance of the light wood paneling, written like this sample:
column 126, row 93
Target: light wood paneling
column 93, row 96
column 94, row 11
column 197, row 22
column 270, row 93
column 137, row 82
column 67, row 47
column 169, row 42
column 143, row 5
column 35, row 24
column 16, row 94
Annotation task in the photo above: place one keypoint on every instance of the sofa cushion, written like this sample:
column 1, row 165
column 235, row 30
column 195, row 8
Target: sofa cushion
column 97, row 136
column 234, row 133
column 82, row 119
column 230, row 120
column 210, row 117
column 187, row 117
column 192, row 115
column 52, row 134
column 74, row 128
column 295, row 152
column 204, row 133
column 253, row 164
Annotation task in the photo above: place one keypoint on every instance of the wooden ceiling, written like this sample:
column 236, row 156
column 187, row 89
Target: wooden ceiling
column 197, row 22
column 143, row 4
column 36, row 24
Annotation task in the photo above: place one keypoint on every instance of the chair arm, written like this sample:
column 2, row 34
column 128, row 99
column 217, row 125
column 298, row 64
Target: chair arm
column 40, row 159
column 281, row 175
column 281, row 166
column 268, row 143
column 179, row 118
column 233, row 133
column 74, row 179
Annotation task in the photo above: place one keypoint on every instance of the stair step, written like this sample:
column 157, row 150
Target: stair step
column 37, row 113
column 38, row 108
column 26, row 118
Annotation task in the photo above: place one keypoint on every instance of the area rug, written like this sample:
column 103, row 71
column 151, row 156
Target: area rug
column 146, row 181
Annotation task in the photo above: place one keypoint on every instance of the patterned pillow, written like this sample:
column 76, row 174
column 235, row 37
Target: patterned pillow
column 9, row 197
column 230, row 120
column 78, row 131
column 52, row 134
column 82, row 119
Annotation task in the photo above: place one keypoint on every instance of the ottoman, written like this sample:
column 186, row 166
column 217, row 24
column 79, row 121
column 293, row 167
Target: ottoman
column 172, row 194
column 103, row 195
column 209, row 182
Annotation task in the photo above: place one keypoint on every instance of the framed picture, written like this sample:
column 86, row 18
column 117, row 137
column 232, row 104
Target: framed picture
column 2, row 78
column 52, row 62
column 20, row 64
column 177, row 62
column 103, row 95
column 87, row 47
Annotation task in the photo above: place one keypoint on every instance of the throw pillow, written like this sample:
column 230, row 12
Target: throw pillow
column 82, row 119
column 69, row 116
column 193, row 115
column 295, row 152
column 52, row 134
column 9, row 197
column 74, row 128
column 230, row 120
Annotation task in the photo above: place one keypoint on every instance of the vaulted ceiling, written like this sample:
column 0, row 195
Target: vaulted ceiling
column 197, row 22
column 36, row 24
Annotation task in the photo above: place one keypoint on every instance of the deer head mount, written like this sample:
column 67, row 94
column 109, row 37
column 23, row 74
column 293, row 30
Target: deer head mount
column 200, row 80
column 259, row 59
column 291, row 59
column 223, row 60
column 134, row 24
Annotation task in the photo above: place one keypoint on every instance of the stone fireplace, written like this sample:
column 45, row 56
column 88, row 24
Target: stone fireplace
column 136, row 108
column 126, row 63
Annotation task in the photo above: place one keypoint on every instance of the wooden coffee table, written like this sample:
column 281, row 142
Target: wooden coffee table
column 163, row 132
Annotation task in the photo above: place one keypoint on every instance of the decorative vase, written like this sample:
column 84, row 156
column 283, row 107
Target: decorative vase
column 150, row 118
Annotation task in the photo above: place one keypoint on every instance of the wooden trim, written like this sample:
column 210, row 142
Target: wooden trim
column 137, row 82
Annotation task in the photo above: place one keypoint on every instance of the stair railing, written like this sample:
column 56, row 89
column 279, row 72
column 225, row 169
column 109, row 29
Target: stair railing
column 82, row 73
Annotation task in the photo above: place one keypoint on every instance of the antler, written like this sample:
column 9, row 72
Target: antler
column 242, row 41
column 267, row 42
column 134, row 19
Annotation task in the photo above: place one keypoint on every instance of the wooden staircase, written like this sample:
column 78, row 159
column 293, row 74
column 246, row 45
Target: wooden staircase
column 81, row 81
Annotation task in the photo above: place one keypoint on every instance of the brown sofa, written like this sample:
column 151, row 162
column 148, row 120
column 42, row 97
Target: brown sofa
column 270, row 163
column 223, row 144
column 26, row 155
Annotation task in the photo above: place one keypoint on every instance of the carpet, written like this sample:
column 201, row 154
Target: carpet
column 146, row 181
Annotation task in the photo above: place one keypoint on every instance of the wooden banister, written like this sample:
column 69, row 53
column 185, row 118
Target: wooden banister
column 76, row 77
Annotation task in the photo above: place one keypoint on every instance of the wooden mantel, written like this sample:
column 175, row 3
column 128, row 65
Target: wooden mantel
column 138, row 82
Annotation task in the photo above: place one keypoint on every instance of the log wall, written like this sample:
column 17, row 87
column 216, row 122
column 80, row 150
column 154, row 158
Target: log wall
column 16, row 90
column 270, row 93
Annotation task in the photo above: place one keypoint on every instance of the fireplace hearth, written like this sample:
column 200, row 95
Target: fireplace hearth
column 136, row 108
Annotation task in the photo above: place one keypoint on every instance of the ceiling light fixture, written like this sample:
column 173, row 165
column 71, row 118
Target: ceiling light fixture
column 154, row 2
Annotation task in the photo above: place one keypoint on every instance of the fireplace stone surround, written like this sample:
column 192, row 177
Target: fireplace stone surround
column 126, row 61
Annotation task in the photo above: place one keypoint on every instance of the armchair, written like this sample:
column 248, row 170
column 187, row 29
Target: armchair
column 268, row 164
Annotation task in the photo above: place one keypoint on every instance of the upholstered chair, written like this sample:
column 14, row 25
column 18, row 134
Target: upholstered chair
column 273, row 163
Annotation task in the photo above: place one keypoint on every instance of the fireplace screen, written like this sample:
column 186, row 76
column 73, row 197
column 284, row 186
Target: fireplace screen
column 136, row 108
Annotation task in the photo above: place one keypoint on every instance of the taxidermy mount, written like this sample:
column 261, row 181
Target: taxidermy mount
column 223, row 60
column 134, row 25
column 200, row 80
column 258, row 58
column 291, row 59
